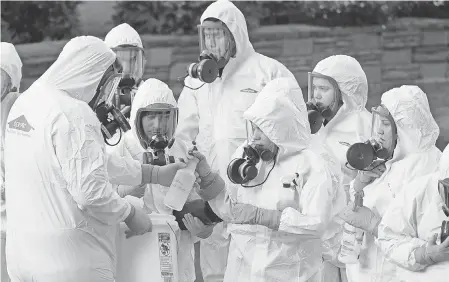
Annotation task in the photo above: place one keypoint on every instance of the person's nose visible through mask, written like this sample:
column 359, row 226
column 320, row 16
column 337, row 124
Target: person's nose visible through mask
column 324, row 100
column 381, row 145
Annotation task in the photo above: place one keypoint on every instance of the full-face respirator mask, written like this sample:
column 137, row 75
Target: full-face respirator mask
column 217, row 46
column 155, row 126
column 318, row 113
column 243, row 170
column 110, row 117
column 361, row 156
column 133, row 61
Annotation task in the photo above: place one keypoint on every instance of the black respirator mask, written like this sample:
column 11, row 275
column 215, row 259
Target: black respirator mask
column 362, row 155
column 443, row 189
column 133, row 61
column 317, row 113
column 216, row 48
column 110, row 117
column 243, row 170
column 165, row 118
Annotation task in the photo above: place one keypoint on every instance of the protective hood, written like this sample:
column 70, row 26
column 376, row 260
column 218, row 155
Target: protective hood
column 280, row 112
column 351, row 80
column 150, row 92
column 10, row 62
column 417, row 129
column 233, row 18
column 79, row 68
column 123, row 34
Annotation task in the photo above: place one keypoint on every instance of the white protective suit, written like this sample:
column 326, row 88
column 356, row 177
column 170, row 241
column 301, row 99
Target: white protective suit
column 293, row 253
column 415, row 155
column 150, row 92
column 212, row 115
column 412, row 218
column 10, row 63
column 62, row 211
column 350, row 125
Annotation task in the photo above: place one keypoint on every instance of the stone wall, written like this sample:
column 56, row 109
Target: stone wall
column 409, row 51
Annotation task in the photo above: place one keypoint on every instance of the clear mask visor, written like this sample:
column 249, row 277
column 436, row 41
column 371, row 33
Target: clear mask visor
column 215, row 39
column 5, row 83
column 383, row 130
column 156, row 120
column 109, row 84
column 251, row 129
column 322, row 90
column 132, row 60
column 443, row 189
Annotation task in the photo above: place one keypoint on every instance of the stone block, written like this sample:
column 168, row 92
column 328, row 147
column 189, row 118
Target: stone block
column 395, row 57
column 296, row 61
column 269, row 48
column 373, row 73
column 433, row 70
column 366, row 41
column 435, row 38
column 301, row 78
column 297, row 47
column 401, row 39
column 401, row 72
column 177, row 70
column 431, row 54
column 368, row 57
column 158, row 56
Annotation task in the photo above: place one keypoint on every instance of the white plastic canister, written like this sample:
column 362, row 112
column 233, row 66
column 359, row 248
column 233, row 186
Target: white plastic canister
column 152, row 256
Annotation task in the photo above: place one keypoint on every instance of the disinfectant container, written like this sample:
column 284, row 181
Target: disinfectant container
column 149, row 257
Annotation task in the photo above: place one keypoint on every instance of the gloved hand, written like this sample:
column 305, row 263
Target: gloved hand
column 249, row 214
column 138, row 222
column 136, row 191
column 196, row 227
column 164, row 174
column 433, row 253
column 369, row 175
column 360, row 217
column 203, row 167
column 199, row 209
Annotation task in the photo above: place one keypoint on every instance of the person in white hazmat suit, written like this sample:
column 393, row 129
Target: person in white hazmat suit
column 212, row 114
column 127, row 45
column 11, row 75
column 275, row 231
column 338, row 87
column 62, row 210
column 404, row 135
column 153, row 122
column 411, row 227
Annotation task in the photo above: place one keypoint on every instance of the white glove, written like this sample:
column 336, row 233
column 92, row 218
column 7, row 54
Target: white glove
column 138, row 222
column 360, row 217
column 433, row 253
column 196, row 227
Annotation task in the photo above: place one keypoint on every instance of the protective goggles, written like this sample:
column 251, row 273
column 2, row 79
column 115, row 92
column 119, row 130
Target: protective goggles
column 108, row 85
column 215, row 38
column 318, row 89
column 156, row 120
column 132, row 59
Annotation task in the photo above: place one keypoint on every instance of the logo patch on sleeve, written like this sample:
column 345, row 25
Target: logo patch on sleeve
column 21, row 124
